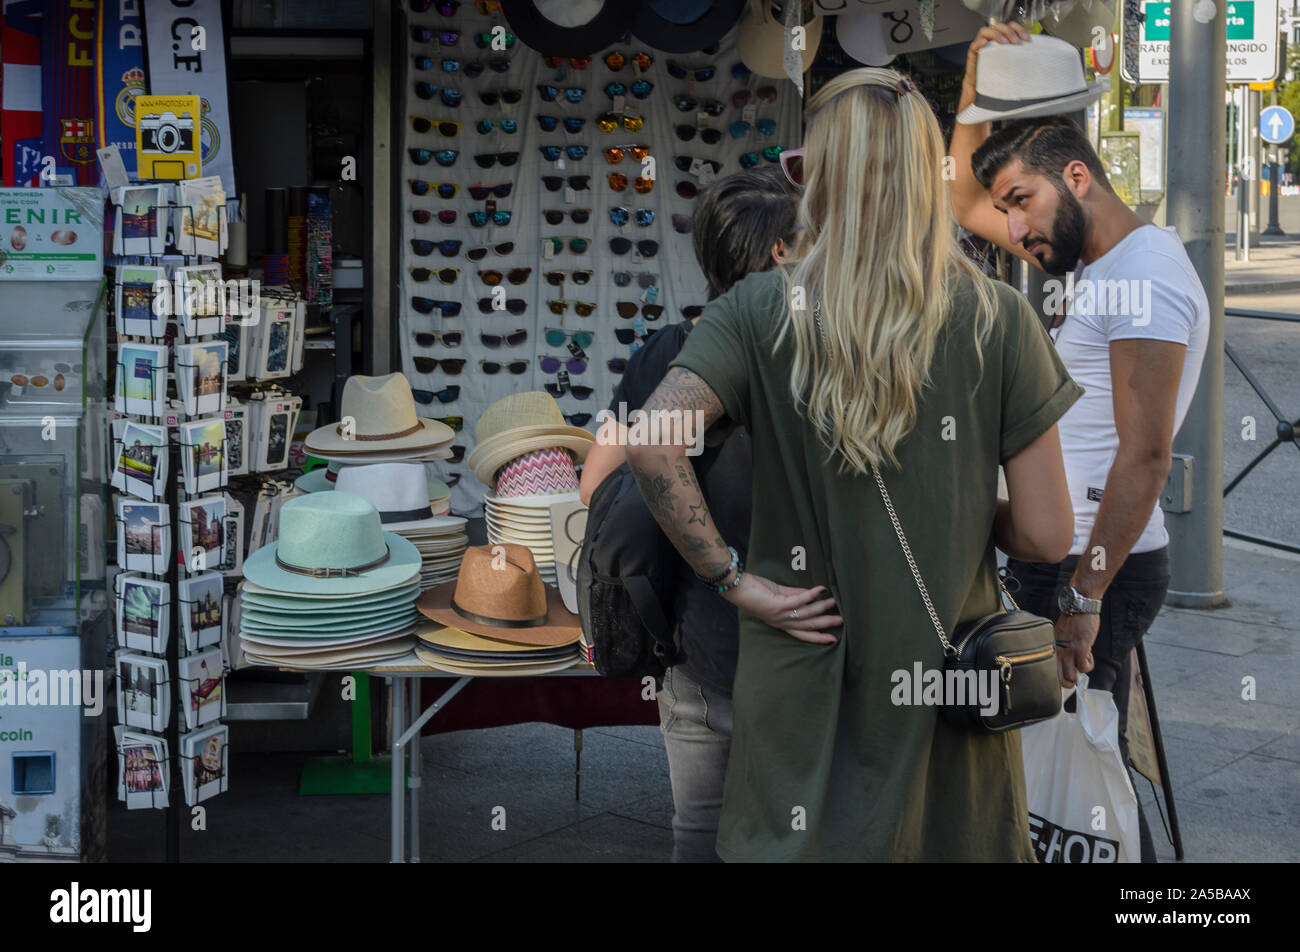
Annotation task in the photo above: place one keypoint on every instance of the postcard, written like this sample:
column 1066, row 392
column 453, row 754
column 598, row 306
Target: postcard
column 143, row 695
column 201, row 299
column 202, row 532
column 204, row 763
column 135, row 295
column 202, row 228
column 201, row 376
column 141, row 379
column 143, row 613
column 203, row 455
column 140, row 455
column 142, row 769
column 202, row 610
column 140, row 227
column 201, row 688
column 143, row 536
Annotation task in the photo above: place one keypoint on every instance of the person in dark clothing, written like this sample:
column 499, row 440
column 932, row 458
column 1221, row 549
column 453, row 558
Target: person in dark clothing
column 743, row 223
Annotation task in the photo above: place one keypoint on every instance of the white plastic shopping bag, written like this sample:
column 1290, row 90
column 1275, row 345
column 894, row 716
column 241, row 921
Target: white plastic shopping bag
column 1082, row 807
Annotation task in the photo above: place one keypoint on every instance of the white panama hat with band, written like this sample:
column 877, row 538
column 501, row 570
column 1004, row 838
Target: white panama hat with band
column 332, row 543
column 400, row 492
column 1041, row 76
column 383, row 421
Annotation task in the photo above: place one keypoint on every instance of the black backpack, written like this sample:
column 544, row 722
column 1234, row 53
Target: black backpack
column 625, row 583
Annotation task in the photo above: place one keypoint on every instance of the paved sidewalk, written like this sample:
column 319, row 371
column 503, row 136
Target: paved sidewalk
column 1273, row 266
column 1235, row 765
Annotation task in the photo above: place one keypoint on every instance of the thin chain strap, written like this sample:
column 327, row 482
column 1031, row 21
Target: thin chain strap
column 911, row 562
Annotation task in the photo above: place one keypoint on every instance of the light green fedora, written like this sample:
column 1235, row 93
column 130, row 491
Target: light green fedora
column 332, row 543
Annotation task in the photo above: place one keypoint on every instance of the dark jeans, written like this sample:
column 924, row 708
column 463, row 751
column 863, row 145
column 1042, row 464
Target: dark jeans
column 1128, row 608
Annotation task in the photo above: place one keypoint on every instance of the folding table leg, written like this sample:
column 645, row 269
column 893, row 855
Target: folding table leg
column 413, row 691
column 397, row 804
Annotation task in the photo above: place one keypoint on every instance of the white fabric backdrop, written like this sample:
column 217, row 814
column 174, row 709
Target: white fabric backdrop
column 679, row 278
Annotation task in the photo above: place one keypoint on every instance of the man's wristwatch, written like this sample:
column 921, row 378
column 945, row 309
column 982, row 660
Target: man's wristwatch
column 1070, row 602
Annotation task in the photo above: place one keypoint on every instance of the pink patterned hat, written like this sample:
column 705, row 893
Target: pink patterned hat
column 540, row 473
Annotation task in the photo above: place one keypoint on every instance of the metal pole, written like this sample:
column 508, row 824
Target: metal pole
column 396, row 804
column 1274, row 188
column 1197, row 61
column 1255, row 145
column 1244, row 160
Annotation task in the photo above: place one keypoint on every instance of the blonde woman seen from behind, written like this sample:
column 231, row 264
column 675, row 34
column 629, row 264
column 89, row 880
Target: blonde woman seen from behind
column 882, row 346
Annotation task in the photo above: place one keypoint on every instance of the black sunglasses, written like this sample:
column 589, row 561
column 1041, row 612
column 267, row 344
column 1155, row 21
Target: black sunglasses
column 515, row 306
column 446, row 395
column 488, row 159
column 579, row 392
column 480, row 192
column 578, row 183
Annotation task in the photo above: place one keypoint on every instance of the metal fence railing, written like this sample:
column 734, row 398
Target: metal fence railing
column 1286, row 431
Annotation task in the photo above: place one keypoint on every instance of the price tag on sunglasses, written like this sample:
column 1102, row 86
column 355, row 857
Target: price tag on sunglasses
column 559, row 163
column 562, row 378
column 570, row 196
column 548, row 249
column 577, row 351
column 706, row 174
column 651, row 293
column 750, row 112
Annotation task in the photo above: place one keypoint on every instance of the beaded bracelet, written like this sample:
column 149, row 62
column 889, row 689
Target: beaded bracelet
column 740, row 573
column 735, row 561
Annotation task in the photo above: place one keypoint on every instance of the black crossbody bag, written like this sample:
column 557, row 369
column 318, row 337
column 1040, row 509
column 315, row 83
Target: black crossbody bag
column 1017, row 647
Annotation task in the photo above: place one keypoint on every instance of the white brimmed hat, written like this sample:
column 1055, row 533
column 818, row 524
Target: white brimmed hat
column 519, row 424
column 1041, row 76
column 400, row 492
column 382, row 413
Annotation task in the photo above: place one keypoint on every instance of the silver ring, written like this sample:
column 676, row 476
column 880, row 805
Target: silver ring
column 794, row 613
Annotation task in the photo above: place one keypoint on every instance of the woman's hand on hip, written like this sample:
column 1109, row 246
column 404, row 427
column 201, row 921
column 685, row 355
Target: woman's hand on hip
column 801, row 613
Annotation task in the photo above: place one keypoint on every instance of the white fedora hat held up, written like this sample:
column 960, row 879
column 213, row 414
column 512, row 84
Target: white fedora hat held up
column 1041, row 76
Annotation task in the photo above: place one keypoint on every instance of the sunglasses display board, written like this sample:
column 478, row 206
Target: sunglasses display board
column 546, row 206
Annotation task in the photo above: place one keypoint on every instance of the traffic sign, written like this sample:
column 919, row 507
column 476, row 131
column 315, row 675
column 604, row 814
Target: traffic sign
column 1276, row 124
column 1253, row 39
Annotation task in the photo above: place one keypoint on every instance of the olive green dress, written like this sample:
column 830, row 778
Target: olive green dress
column 823, row 765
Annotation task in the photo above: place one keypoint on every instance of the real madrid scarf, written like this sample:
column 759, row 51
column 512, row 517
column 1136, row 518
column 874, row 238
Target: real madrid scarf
column 120, row 46
column 186, row 47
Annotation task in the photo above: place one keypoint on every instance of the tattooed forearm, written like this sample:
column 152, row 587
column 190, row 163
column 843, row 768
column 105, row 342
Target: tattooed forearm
column 676, row 504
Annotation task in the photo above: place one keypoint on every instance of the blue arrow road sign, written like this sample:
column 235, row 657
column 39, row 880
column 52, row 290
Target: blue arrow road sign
column 1276, row 124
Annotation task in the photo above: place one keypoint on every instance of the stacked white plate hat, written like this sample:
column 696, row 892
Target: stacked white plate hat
column 378, row 424
column 497, row 619
column 399, row 492
column 526, row 450
column 334, row 591
column 325, row 478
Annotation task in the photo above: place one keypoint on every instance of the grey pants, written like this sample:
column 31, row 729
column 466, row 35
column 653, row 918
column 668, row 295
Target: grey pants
column 696, row 724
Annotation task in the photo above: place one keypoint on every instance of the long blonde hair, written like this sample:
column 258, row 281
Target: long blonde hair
column 879, row 259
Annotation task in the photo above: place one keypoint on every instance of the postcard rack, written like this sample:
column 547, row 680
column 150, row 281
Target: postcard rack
column 174, row 458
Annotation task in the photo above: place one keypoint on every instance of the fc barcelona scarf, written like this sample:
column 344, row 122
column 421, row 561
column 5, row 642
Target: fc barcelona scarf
column 67, row 89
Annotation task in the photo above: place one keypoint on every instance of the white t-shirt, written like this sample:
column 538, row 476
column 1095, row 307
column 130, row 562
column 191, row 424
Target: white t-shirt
column 1144, row 287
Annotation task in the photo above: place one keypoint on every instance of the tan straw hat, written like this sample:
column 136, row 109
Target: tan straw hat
column 499, row 594
column 522, row 423
column 761, row 41
column 381, row 411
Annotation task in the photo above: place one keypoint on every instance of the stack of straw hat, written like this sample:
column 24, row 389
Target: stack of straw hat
column 334, row 591
column 527, row 452
column 398, row 491
column 497, row 619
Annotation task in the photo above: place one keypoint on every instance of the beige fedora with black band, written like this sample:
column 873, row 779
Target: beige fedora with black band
column 499, row 594
column 383, row 420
